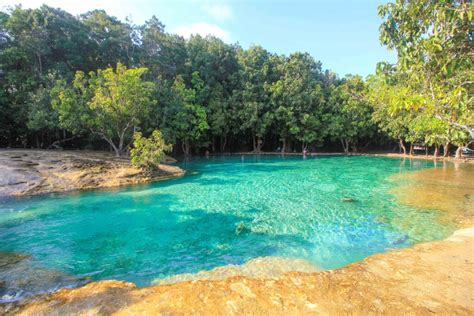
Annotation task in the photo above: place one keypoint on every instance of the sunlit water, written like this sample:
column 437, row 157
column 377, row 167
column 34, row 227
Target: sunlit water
column 330, row 211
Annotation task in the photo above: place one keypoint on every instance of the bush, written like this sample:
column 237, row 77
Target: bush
column 149, row 152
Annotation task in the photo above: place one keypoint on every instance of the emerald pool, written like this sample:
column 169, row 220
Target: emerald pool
column 330, row 210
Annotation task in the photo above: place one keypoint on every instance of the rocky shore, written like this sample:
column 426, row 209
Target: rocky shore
column 435, row 277
column 29, row 172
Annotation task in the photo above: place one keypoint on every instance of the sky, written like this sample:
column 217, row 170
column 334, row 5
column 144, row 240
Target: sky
column 342, row 34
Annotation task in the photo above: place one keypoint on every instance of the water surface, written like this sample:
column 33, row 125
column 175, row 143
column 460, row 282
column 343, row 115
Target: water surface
column 330, row 211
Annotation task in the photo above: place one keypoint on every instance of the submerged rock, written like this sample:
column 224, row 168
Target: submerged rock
column 241, row 229
column 262, row 267
column 8, row 259
column 21, row 278
column 348, row 199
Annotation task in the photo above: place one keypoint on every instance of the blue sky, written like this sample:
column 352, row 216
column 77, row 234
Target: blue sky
column 342, row 34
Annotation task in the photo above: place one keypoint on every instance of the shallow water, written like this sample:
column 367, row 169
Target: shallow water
column 330, row 211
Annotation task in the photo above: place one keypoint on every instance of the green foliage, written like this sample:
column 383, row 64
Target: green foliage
column 298, row 100
column 433, row 40
column 187, row 119
column 109, row 103
column 57, row 77
column 149, row 152
column 351, row 116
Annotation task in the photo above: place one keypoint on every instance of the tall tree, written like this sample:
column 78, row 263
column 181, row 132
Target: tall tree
column 186, row 120
column 110, row 103
column 298, row 100
column 351, row 113
column 257, row 74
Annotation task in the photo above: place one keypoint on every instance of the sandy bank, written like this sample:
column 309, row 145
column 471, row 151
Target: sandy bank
column 28, row 172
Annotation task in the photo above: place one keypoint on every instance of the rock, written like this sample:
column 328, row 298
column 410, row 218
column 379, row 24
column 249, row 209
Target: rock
column 241, row 229
column 46, row 171
column 21, row 278
column 430, row 278
column 8, row 259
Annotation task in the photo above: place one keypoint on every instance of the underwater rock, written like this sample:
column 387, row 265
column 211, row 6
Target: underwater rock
column 21, row 278
column 10, row 258
column 401, row 240
column 241, row 229
column 260, row 267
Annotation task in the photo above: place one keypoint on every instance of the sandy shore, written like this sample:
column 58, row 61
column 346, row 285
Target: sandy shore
column 29, row 172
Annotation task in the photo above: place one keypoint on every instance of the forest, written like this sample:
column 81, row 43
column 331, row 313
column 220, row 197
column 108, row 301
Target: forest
column 93, row 81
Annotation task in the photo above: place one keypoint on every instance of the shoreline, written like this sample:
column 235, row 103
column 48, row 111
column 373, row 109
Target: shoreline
column 370, row 154
column 29, row 172
column 420, row 276
column 36, row 172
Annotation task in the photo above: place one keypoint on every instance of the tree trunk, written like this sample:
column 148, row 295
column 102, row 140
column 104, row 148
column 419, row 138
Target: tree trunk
column 458, row 153
column 446, row 150
column 304, row 148
column 116, row 149
column 185, row 147
column 354, row 147
column 289, row 146
column 223, row 143
column 55, row 144
column 436, row 151
column 402, row 146
column 253, row 141
column 40, row 64
column 412, row 150
column 213, row 144
column 283, row 146
column 345, row 145
column 259, row 145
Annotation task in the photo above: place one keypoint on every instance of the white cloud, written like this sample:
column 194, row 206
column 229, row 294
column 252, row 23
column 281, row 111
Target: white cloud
column 219, row 12
column 202, row 29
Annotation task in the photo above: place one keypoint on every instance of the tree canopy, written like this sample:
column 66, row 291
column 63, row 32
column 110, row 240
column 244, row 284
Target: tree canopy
column 93, row 81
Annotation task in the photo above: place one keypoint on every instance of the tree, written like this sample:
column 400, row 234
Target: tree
column 164, row 54
column 297, row 100
column 186, row 120
column 433, row 40
column 113, row 41
column 351, row 113
column 148, row 153
column 384, row 93
column 110, row 103
column 218, row 69
column 35, row 45
column 254, row 113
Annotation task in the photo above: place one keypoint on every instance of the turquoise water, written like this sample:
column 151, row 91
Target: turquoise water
column 226, row 210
